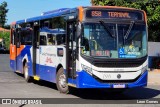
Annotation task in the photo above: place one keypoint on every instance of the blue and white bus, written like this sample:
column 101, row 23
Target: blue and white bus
column 82, row 47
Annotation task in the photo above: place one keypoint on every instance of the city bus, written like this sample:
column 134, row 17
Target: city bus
column 84, row 47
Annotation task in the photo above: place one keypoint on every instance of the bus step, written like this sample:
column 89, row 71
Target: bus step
column 71, row 85
column 36, row 78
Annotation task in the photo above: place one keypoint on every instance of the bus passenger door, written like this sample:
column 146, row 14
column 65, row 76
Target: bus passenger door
column 71, row 50
column 18, row 51
column 35, row 53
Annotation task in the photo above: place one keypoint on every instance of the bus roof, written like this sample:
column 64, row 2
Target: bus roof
column 59, row 12
column 49, row 14
column 55, row 11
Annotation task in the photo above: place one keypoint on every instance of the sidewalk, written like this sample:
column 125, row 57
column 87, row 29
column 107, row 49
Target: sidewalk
column 154, row 77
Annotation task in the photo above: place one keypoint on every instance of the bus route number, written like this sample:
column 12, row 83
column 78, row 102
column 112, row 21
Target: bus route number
column 96, row 13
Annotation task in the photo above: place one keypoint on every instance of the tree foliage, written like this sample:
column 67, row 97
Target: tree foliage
column 3, row 13
column 6, row 37
column 7, row 26
column 151, row 7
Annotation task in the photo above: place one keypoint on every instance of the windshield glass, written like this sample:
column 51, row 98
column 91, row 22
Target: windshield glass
column 117, row 41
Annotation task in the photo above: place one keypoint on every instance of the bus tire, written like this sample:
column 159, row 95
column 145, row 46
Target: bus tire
column 25, row 71
column 61, row 81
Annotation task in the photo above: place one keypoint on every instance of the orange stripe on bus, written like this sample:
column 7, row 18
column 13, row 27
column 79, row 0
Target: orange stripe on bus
column 80, row 13
column 12, row 52
column 145, row 16
column 114, row 7
column 15, row 52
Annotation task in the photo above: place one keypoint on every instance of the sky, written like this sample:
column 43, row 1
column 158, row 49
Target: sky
column 22, row 9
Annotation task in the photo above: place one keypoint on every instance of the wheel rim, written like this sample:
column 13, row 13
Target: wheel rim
column 62, row 80
column 26, row 72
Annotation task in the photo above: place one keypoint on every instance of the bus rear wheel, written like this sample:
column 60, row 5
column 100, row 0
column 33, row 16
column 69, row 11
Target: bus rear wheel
column 61, row 81
column 25, row 71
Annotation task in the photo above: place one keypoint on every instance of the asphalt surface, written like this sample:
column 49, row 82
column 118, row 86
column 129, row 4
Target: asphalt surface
column 13, row 85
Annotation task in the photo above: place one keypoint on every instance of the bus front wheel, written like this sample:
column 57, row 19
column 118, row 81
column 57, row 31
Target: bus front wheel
column 61, row 81
column 25, row 71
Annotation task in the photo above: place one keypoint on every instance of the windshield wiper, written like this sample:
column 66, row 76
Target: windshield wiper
column 107, row 28
column 129, row 30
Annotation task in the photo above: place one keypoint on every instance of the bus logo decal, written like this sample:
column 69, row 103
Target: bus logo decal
column 119, row 76
column 106, row 76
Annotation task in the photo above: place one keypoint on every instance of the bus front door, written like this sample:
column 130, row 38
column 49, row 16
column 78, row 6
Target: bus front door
column 71, row 50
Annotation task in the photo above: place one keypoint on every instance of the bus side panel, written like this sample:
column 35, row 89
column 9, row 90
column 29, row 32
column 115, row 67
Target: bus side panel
column 19, row 57
column 49, row 61
column 47, row 73
column 26, row 54
column 46, row 63
column 13, row 57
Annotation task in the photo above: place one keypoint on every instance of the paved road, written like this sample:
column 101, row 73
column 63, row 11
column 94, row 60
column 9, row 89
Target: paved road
column 13, row 85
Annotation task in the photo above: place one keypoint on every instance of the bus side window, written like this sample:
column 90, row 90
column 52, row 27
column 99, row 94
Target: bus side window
column 60, row 39
column 51, row 39
column 43, row 40
column 23, row 37
column 18, row 38
column 26, row 37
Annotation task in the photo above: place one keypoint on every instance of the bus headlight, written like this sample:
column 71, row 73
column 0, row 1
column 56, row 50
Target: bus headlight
column 87, row 69
column 144, row 69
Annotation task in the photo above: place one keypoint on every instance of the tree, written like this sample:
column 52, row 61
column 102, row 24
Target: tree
column 7, row 26
column 3, row 13
column 6, row 37
column 151, row 7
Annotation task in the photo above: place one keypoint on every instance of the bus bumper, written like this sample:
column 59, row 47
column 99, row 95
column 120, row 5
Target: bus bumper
column 84, row 80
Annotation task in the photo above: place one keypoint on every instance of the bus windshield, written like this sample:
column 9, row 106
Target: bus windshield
column 117, row 41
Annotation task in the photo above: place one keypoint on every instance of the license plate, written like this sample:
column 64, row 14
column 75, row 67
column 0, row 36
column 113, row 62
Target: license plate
column 119, row 86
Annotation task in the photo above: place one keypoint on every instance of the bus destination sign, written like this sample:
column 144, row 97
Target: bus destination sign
column 110, row 14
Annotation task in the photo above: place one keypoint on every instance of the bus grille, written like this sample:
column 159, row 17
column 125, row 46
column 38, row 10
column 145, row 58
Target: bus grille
column 118, row 64
column 121, row 63
column 116, row 81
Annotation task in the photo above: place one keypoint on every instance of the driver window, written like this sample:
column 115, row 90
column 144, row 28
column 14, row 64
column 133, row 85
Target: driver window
column 50, row 39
